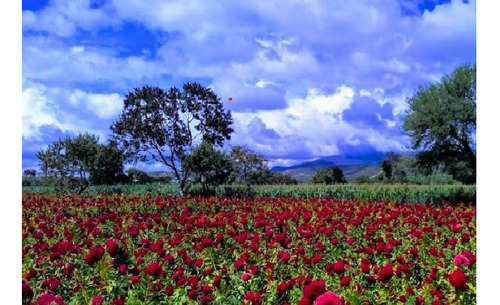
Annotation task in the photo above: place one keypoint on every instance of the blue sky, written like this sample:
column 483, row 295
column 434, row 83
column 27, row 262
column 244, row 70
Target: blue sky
column 308, row 78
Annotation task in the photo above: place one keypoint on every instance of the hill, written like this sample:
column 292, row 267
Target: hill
column 352, row 166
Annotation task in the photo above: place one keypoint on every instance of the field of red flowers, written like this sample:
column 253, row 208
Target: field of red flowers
column 164, row 250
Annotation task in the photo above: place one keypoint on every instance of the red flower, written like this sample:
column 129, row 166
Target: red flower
column 470, row 256
column 193, row 294
column 216, row 282
column 282, row 288
column 32, row 273
column 27, row 292
column 458, row 279
column 95, row 254
column 97, row 300
column 385, row 273
column 55, row 284
column 117, row 302
column 154, row 269
column 345, row 281
column 314, row 289
column 169, row 290
column 284, row 257
column 246, row 276
column 135, row 280
column 111, row 247
column 122, row 269
column 461, row 260
column 69, row 269
column 239, row 264
column 329, row 298
column 253, row 297
column 339, row 267
column 206, row 290
column 49, row 299
column 317, row 258
column 198, row 262
column 206, row 299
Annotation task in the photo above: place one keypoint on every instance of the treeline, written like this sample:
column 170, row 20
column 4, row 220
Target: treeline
column 184, row 130
column 75, row 164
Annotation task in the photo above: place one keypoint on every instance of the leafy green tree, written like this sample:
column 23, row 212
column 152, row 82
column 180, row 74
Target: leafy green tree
column 387, row 168
column 70, row 162
column 363, row 179
column 162, row 125
column 137, row 176
column 281, row 178
column 107, row 166
column 209, row 166
column 392, row 167
column 249, row 167
column 29, row 172
column 330, row 175
column 441, row 122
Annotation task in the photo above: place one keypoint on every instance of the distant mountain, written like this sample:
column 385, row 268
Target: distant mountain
column 352, row 166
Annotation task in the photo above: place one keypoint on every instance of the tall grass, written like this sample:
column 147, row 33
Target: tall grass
column 399, row 193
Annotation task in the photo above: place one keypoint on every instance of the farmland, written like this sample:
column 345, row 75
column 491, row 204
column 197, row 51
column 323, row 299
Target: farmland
column 153, row 249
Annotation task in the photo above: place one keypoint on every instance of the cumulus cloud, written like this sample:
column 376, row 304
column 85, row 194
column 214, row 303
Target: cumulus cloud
column 63, row 18
column 105, row 106
column 320, row 125
column 307, row 78
column 39, row 111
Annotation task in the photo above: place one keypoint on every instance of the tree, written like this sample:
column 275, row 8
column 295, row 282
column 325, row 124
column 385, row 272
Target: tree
column 441, row 123
column 281, row 178
column 330, row 175
column 387, row 168
column 248, row 166
column 390, row 166
column 162, row 126
column 68, row 161
column 107, row 167
column 71, row 161
column 29, row 173
column 209, row 166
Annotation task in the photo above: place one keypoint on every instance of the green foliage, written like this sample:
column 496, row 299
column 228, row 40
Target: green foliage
column 67, row 164
column 281, row 178
column 162, row 125
column 68, row 161
column 441, row 122
column 209, row 166
column 328, row 176
column 400, row 193
column 29, row 173
column 249, row 167
column 107, row 167
column 387, row 168
column 363, row 179
column 396, row 167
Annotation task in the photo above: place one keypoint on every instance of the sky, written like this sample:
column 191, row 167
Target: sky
column 307, row 78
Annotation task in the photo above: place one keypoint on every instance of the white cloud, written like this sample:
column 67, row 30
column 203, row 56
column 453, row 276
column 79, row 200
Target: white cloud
column 105, row 106
column 42, row 107
column 62, row 18
column 293, row 64
column 39, row 111
column 312, row 126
